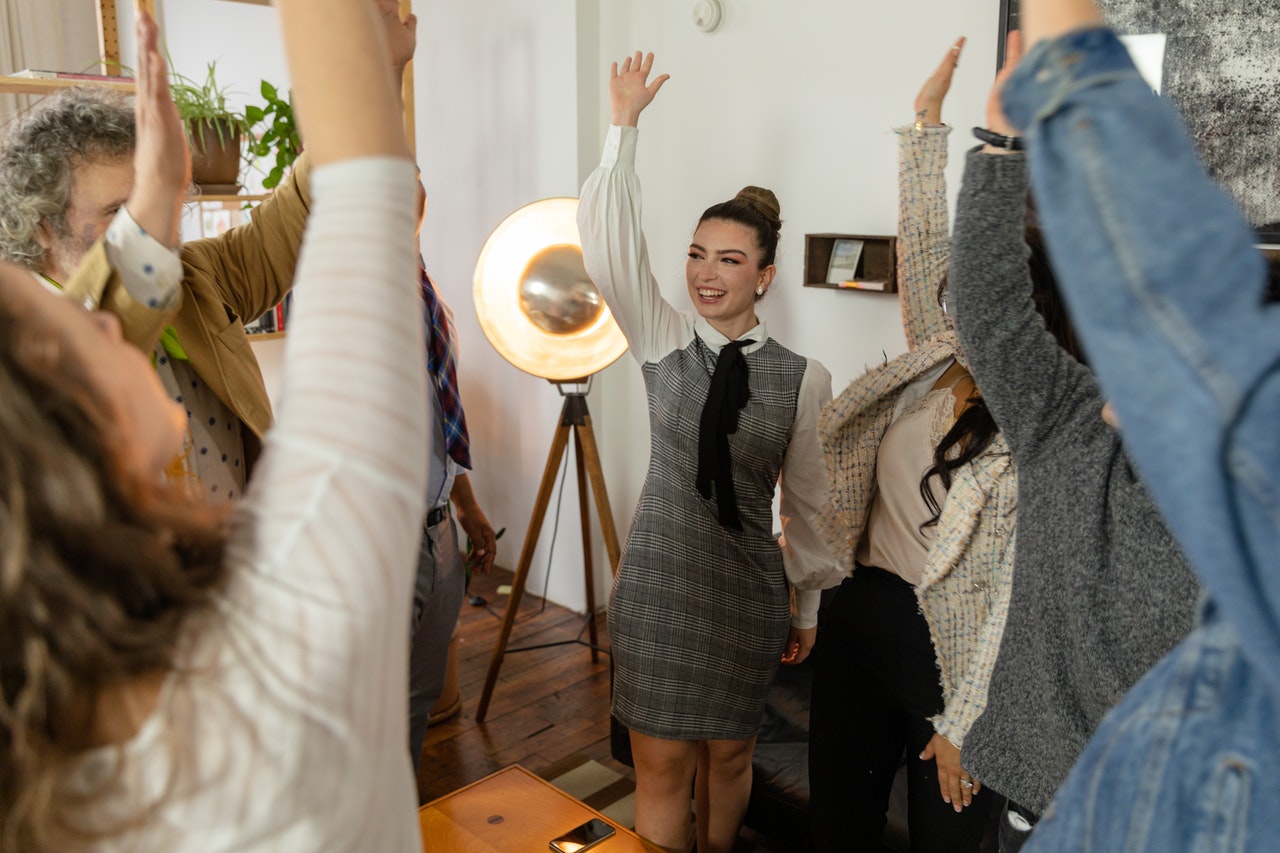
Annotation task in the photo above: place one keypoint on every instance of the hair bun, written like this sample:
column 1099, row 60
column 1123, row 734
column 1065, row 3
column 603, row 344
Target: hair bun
column 765, row 202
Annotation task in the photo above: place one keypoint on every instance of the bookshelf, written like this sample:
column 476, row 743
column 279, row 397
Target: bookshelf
column 40, row 87
column 108, row 49
column 227, row 198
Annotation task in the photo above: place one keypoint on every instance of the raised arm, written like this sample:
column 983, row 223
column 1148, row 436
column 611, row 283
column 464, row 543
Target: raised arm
column 251, row 267
column 132, row 270
column 1161, row 274
column 329, row 528
column 609, row 214
column 1031, row 384
column 923, row 231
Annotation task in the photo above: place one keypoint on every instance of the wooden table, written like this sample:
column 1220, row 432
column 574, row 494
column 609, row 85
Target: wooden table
column 512, row 811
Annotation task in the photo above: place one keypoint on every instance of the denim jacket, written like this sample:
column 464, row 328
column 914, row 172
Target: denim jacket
column 1164, row 283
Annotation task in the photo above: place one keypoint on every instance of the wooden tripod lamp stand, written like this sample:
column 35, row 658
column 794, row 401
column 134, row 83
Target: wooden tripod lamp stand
column 542, row 313
column 575, row 422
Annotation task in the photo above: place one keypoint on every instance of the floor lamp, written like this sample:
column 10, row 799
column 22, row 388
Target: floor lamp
column 542, row 313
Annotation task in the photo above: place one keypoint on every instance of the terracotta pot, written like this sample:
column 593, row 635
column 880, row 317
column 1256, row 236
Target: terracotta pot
column 213, row 163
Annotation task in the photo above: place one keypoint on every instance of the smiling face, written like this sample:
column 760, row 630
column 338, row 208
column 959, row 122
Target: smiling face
column 99, row 188
column 723, row 272
column 87, row 349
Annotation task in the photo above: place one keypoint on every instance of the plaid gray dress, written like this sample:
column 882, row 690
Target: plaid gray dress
column 700, row 614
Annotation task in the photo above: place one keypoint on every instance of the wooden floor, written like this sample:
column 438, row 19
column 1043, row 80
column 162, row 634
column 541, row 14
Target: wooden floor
column 548, row 703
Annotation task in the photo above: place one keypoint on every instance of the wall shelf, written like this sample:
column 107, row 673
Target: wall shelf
column 877, row 270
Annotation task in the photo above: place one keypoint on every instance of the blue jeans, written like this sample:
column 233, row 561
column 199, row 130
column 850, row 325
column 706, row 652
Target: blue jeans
column 1166, row 288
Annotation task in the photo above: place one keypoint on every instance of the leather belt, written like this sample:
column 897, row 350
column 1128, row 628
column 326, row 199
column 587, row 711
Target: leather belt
column 435, row 515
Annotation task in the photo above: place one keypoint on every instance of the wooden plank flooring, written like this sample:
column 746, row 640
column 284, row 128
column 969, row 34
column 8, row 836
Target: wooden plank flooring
column 548, row 703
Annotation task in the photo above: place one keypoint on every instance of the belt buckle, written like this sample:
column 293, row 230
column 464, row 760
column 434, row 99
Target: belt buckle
column 435, row 515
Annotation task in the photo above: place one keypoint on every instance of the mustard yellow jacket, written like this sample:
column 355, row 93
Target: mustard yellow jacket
column 228, row 281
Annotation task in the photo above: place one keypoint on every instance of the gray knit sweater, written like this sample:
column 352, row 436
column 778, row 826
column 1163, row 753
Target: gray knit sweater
column 1100, row 589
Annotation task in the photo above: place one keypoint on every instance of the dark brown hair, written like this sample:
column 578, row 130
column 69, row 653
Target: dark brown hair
column 757, row 208
column 974, row 429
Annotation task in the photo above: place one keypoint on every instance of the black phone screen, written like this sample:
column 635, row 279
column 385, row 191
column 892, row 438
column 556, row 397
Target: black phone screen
column 581, row 837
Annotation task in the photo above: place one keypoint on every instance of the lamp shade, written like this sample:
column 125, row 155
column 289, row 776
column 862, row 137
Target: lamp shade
column 536, row 304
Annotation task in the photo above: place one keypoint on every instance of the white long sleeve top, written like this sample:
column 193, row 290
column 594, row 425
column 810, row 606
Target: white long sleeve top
column 609, row 220
column 283, row 726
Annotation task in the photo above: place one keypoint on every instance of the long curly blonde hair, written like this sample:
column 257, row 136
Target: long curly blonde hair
column 99, row 573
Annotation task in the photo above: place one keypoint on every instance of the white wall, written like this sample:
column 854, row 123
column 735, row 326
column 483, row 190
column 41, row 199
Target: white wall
column 497, row 121
column 511, row 108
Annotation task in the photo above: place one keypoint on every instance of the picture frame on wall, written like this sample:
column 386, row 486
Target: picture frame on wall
column 1222, row 77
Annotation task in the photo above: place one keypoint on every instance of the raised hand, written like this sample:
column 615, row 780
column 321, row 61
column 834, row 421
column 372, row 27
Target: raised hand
column 934, row 91
column 1046, row 19
column 161, row 159
column 996, row 119
column 401, row 33
column 630, row 90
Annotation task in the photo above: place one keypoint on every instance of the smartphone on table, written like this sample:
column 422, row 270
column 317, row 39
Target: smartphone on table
column 583, row 837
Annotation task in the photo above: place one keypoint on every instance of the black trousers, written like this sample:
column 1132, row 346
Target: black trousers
column 875, row 684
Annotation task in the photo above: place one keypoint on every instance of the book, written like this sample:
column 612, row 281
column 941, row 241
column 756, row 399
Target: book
column 865, row 284
column 845, row 255
column 37, row 74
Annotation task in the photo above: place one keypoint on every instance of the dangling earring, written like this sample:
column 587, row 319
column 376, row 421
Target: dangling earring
column 760, row 290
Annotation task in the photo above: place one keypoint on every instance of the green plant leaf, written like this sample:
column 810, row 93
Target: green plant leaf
column 276, row 134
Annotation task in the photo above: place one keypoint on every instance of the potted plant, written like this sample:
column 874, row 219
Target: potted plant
column 214, row 128
column 279, row 136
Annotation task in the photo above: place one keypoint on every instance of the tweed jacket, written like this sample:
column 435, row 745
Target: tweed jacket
column 227, row 281
column 964, row 592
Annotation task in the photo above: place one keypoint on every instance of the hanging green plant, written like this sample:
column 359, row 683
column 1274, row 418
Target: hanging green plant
column 279, row 136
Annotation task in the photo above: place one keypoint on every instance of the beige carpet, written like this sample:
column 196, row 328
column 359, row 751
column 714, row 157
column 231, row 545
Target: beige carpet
column 613, row 795
column 606, row 791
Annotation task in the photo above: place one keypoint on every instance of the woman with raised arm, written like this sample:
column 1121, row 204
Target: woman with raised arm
column 702, row 612
column 1100, row 588
column 182, row 680
column 1171, row 300
column 924, row 497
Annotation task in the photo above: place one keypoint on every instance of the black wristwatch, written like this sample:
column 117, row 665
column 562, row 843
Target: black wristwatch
column 999, row 140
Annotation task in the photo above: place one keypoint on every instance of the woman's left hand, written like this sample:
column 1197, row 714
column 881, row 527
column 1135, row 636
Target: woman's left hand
column 957, row 787
column 934, row 91
column 799, row 643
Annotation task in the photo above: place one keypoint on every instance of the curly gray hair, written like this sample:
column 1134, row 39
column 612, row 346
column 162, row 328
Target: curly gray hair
column 42, row 149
